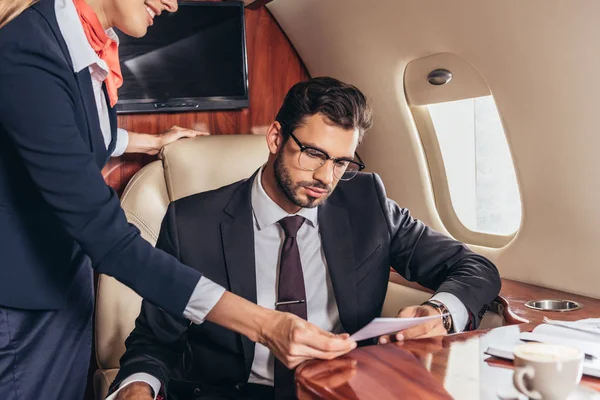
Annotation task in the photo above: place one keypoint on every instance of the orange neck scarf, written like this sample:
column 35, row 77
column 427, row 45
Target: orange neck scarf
column 105, row 47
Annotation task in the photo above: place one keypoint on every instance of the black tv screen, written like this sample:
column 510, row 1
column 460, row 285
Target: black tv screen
column 194, row 59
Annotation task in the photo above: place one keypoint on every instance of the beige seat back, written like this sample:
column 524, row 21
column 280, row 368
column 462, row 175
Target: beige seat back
column 186, row 167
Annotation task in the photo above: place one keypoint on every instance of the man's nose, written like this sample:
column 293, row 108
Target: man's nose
column 324, row 174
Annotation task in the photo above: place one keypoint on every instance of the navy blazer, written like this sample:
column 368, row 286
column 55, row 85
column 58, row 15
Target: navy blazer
column 56, row 211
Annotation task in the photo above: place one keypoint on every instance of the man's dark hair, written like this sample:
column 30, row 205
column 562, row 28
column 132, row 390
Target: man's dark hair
column 342, row 104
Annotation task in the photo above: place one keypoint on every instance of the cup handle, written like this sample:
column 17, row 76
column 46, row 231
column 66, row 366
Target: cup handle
column 528, row 372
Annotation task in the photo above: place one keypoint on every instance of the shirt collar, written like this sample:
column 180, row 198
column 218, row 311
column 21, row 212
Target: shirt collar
column 267, row 212
column 82, row 54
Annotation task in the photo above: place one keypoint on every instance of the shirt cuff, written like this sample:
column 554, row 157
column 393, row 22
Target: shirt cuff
column 458, row 311
column 139, row 377
column 204, row 297
column 122, row 142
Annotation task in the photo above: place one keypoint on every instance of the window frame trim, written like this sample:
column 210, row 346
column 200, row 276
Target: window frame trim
column 441, row 190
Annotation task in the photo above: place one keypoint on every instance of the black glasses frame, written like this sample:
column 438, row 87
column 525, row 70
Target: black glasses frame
column 303, row 148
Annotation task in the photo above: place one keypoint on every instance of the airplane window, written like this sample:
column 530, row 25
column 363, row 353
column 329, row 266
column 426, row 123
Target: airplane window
column 479, row 168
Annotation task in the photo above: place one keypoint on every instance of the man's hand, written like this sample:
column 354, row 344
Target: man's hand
column 427, row 329
column 152, row 144
column 136, row 391
column 294, row 340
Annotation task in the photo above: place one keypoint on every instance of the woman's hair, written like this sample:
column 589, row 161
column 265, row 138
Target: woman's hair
column 10, row 9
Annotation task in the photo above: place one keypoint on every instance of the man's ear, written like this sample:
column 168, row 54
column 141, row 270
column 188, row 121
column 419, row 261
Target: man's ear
column 274, row 138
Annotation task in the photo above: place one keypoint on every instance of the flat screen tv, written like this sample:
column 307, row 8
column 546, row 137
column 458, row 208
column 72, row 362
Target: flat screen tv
column 194, row 59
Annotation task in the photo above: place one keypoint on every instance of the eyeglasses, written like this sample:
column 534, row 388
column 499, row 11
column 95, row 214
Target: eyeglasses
column 311, row 159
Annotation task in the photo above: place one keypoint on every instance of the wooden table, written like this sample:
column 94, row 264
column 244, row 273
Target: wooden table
column 453, row 366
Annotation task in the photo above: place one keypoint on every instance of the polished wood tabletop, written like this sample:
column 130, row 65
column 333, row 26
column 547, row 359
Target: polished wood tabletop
column 454, row 366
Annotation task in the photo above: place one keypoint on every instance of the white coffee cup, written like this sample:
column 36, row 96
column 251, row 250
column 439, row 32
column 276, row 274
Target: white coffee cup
column 547, row 371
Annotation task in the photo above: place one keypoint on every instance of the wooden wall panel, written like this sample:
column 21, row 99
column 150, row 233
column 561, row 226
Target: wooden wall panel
column 273, row 67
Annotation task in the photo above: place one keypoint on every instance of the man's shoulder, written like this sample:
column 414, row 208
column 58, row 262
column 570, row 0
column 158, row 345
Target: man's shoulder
column 363, row 184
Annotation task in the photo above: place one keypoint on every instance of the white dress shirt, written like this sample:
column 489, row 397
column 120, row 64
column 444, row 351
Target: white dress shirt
column 321, row 305
column 83, row 56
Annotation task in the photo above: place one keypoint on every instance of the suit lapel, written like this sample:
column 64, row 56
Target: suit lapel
column 335, row 229
column 112, row 115
column 84, row 81
column 95, row 137
column 237, row 234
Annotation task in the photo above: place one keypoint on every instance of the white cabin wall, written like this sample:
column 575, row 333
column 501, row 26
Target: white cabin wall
column 541, row 61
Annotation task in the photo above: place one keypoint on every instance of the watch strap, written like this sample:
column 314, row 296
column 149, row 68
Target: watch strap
column 444, row 312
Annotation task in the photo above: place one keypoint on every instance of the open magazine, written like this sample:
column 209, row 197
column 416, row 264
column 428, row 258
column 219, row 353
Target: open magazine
column 583, row 334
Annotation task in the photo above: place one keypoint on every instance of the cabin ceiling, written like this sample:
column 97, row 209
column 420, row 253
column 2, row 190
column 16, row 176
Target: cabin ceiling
column 540, row 60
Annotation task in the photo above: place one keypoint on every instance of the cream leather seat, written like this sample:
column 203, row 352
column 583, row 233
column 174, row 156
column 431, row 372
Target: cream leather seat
column 186, row 167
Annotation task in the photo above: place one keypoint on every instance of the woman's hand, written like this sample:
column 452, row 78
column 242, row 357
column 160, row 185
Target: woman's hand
column 294, row 340
column 291, row 338
column 152, row 144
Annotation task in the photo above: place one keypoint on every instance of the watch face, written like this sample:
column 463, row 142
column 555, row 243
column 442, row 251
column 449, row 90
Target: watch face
column 443, row 310
column 447, row 320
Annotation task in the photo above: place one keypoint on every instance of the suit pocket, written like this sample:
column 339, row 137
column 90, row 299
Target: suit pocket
column 367, row 266
column 4, row 209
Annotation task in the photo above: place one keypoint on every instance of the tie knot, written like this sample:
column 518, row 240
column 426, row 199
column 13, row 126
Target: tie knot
column 291, row 225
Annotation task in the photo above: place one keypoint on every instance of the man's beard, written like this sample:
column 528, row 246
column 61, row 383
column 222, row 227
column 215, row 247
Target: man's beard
column 284, row 181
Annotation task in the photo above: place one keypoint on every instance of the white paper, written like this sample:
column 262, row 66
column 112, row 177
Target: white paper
column 384, row 326
column 591, row 326
column 561, row 331
column 586, row 347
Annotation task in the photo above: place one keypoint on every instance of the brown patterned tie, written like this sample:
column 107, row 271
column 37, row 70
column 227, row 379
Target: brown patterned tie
column 291, row 296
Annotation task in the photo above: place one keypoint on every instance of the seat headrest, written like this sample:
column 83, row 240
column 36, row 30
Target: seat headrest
column 209, row 162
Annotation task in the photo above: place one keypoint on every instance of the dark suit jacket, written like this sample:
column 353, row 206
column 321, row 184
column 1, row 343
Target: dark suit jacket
column 55, row 208
column 362, row 234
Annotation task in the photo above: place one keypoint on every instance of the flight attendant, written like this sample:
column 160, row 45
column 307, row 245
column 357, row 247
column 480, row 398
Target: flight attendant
column 59, row 80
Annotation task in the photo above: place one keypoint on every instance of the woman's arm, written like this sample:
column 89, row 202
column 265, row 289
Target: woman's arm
column 152, row 144
column 39, row 97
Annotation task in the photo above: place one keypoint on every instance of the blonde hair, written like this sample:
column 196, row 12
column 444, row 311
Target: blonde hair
column 11, row 9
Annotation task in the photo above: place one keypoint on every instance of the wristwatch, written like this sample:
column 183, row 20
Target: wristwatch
column 443, row 310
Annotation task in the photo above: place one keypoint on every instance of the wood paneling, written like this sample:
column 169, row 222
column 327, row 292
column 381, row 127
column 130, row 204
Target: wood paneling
column 514, row 295
column 373, row 373
column 273, row 67
column 442, row 367
column 254, row 4
column 424, row 369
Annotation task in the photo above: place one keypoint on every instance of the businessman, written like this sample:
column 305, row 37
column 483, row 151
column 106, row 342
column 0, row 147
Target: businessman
column 309, row 234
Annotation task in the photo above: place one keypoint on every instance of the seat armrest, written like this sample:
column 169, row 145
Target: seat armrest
column 102, row 381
